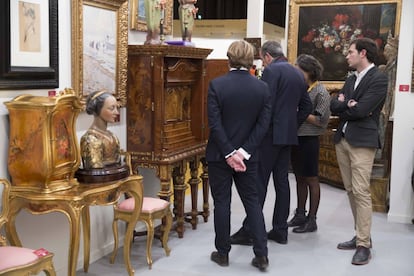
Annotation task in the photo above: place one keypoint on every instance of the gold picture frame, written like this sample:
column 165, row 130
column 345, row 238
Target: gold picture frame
column 138, row 22
column 100, row 54
column 325, row 27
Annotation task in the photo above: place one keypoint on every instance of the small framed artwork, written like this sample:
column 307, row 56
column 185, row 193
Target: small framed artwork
column 139, row 19
column 257, row 44
column 100, row 47
column 29, row 54
column 325, row 29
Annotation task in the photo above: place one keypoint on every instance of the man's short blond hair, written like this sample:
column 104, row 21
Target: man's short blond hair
column 240, row 54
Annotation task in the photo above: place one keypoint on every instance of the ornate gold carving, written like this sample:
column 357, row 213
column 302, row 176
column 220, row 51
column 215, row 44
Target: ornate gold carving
column 121, row 9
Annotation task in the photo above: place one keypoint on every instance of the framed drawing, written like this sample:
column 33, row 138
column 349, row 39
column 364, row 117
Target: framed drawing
column 29, row 53
column 325, row 29
column 100, row 47
column 138, row 18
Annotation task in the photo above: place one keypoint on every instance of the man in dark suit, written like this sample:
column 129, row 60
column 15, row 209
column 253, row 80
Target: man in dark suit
column 358, row 106
column 238, row 116
column 291, row 105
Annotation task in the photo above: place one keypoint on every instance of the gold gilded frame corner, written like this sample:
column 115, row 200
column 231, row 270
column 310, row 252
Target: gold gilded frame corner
column 120, row 7
column 293, row 26
column 138, row 24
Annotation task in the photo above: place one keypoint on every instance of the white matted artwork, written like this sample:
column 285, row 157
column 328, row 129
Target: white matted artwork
column 99, row 49
column 29, row 33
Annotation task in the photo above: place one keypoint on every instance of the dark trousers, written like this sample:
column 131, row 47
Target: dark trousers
column 220, row 179
column 274, row 159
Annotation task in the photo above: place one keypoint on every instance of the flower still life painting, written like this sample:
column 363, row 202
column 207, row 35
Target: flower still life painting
column 327, row 31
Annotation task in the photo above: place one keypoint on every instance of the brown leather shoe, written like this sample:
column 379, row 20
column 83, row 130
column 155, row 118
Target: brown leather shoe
column 261, row 262
column 361, row 256
column 221, row 260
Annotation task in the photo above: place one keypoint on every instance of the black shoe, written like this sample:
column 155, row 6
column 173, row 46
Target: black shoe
column 309, row 226
column 221, row 260
column 298, row 219
column 351, row 245
column 261, row 262
column 361, row 256
column 275, row 236
column 241, row 237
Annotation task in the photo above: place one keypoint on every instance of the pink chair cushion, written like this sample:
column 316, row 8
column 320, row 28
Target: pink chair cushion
column 149, row 204
column 12, row 256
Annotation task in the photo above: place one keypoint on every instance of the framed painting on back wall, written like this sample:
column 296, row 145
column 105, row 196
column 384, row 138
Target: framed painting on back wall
column 139, row 19
column 29, row 44
column 100, row 47
column 326, row 28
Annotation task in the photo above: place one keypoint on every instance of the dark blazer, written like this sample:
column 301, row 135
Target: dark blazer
column 238, row 107
column 291, row 103
column 363, row 119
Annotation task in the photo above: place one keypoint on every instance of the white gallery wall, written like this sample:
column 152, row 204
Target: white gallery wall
column 52, row 230
column 401, row 192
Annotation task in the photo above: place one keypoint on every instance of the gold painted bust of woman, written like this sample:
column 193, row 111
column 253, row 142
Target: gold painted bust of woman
column 99, row 146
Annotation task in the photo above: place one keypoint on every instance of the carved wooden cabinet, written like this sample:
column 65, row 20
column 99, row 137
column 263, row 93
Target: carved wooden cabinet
column 166, row 122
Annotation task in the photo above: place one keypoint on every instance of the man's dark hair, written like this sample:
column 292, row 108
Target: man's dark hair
column 369, row 46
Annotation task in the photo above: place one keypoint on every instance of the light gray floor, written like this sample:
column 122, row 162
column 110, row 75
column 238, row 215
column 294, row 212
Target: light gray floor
column 305, row 254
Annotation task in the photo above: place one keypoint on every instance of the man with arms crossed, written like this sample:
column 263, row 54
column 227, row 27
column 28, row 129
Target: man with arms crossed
column 358, row 106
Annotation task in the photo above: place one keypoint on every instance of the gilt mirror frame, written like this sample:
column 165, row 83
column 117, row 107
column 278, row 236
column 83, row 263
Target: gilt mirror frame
column 306, row 18
column 138, row 21
column 116, row 55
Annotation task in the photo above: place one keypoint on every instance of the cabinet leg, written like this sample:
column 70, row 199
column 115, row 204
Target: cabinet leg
column 194, row 181
column 179, row 195
column 206, row 190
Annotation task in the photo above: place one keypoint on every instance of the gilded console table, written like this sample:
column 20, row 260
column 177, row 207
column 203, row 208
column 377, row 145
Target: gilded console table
column 74, row 203
column 167, row 119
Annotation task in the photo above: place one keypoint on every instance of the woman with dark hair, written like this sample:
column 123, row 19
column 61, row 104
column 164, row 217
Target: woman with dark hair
column 99, row 146
column 305, row 156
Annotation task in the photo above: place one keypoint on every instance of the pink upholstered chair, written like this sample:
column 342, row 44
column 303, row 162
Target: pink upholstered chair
column 152, row 208
column 17, row 260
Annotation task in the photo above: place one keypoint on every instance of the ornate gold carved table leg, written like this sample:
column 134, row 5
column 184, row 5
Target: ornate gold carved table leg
column 11, row 233
column 86, row 228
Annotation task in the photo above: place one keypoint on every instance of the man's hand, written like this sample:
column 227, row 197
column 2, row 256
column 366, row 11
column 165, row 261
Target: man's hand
column 352, row 103
column 341, row 97
column 236, row 162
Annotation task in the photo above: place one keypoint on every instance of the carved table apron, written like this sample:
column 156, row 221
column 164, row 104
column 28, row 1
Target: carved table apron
column 74, row 203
